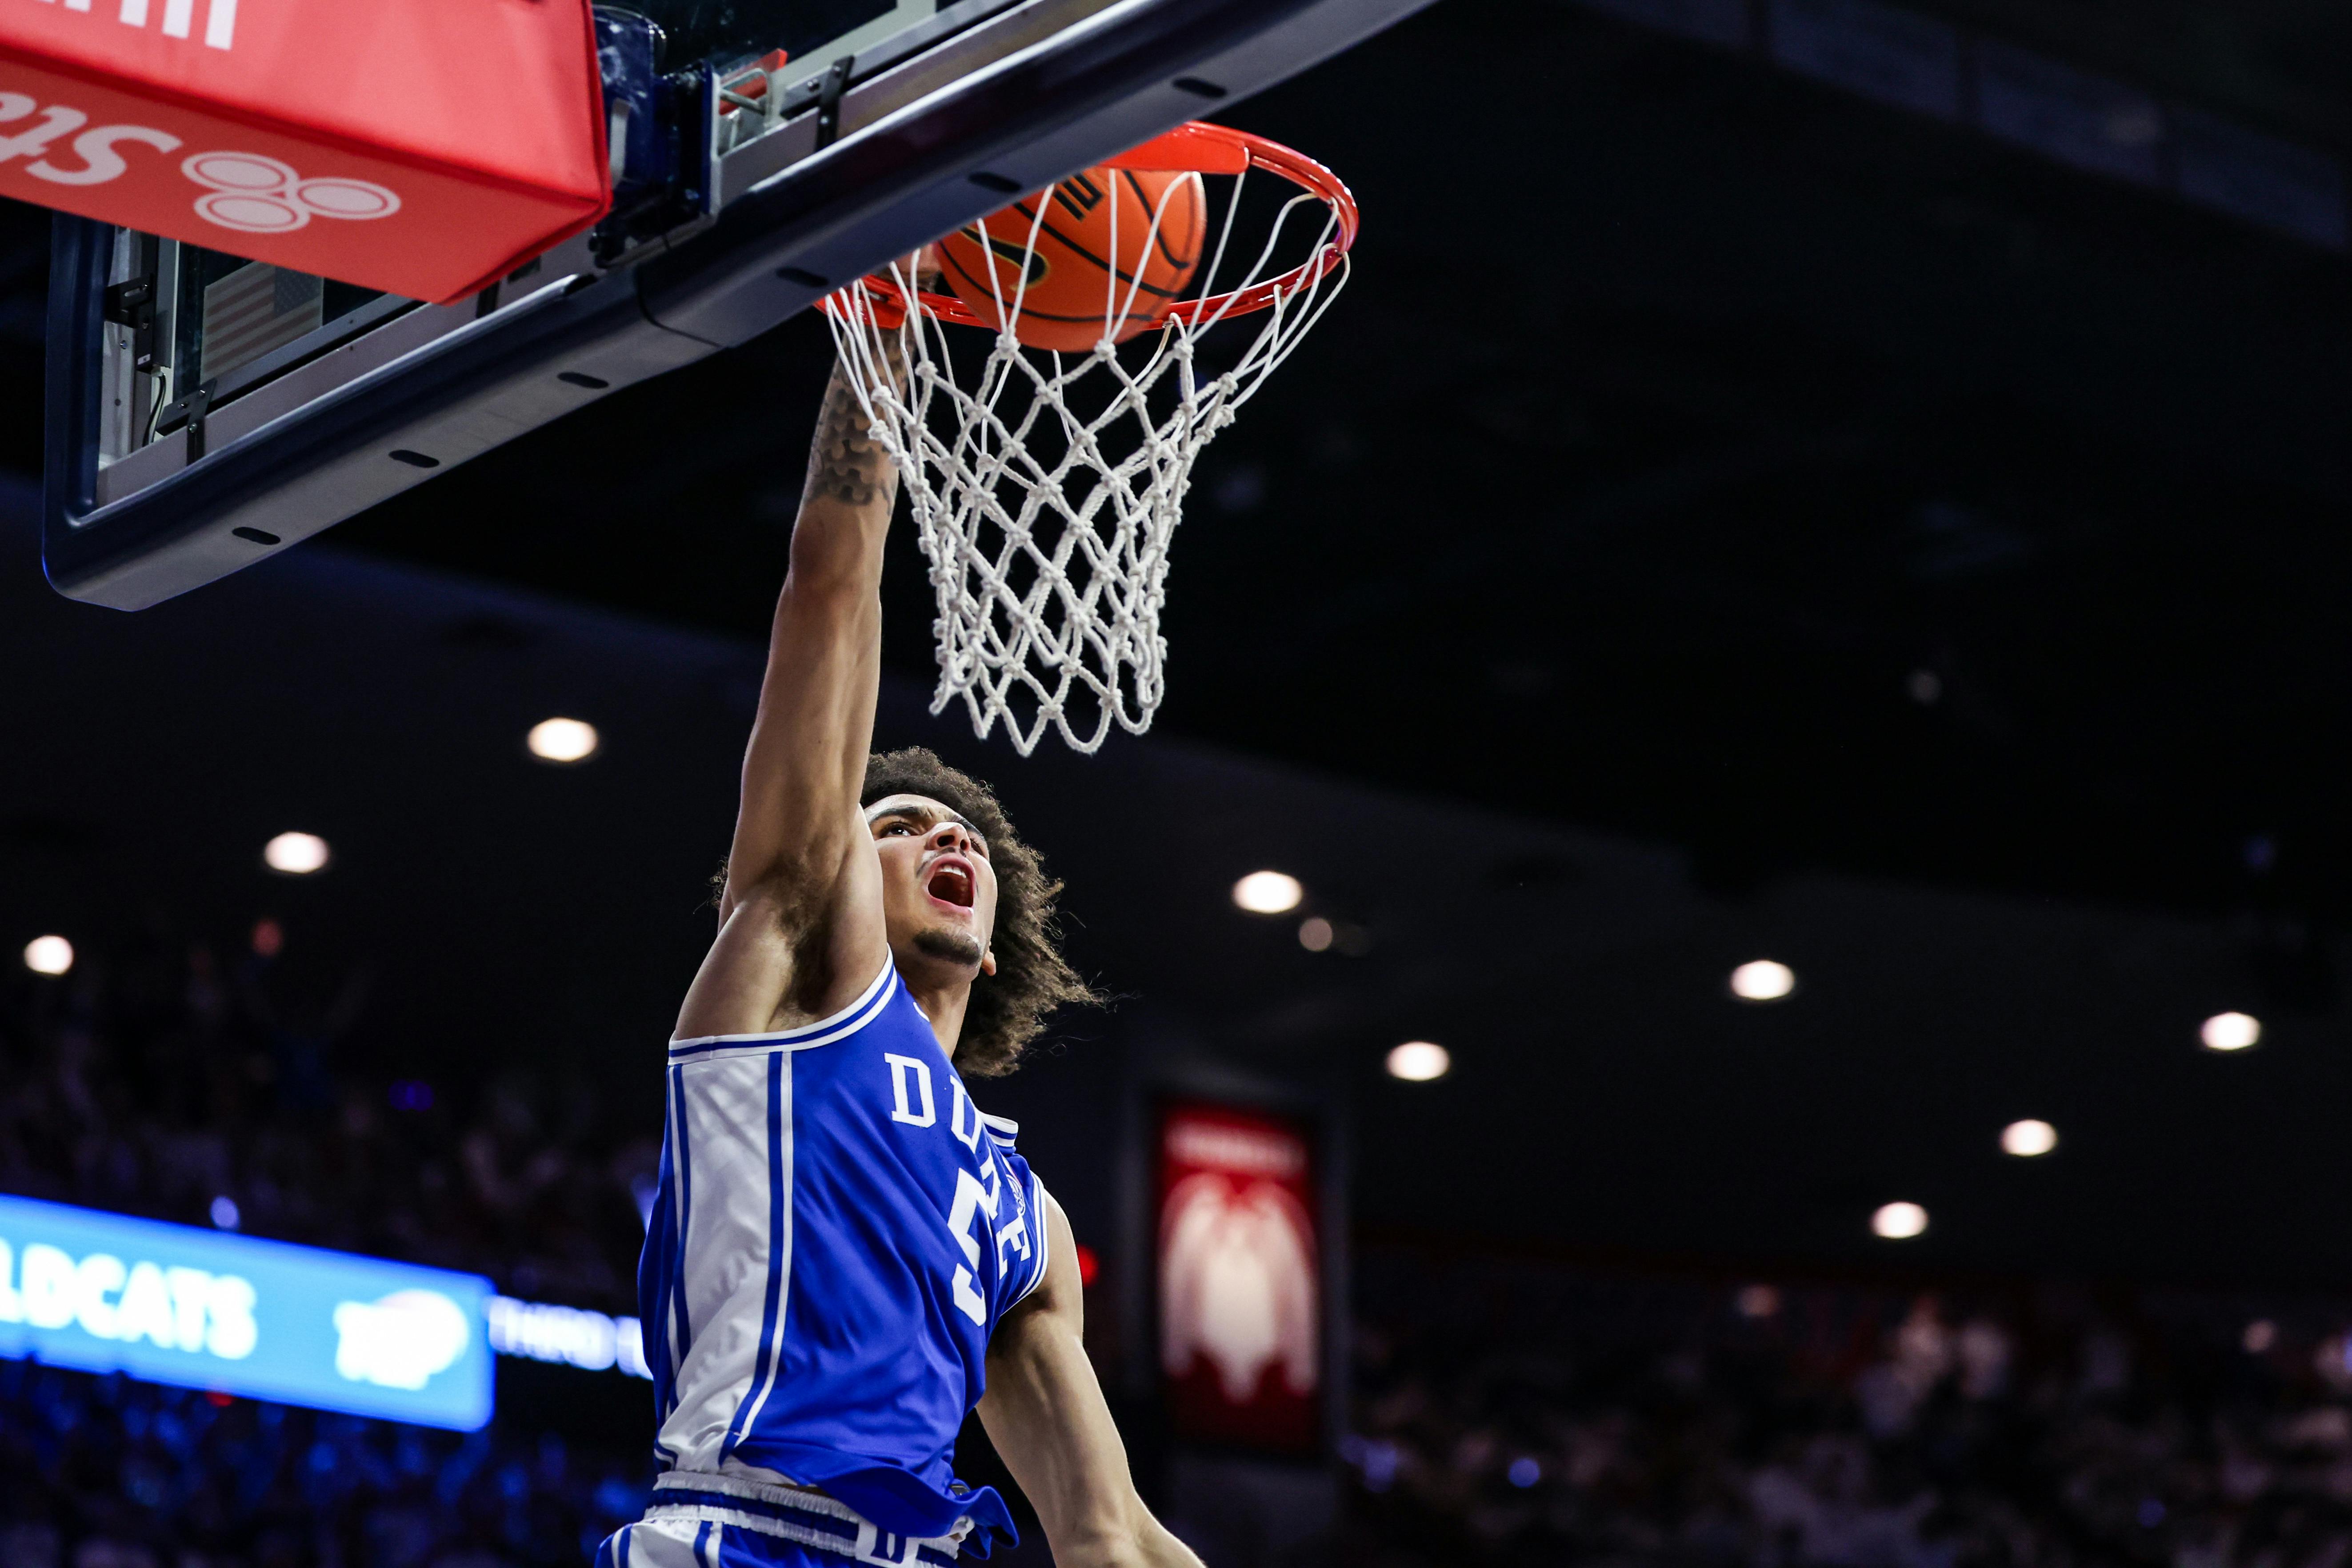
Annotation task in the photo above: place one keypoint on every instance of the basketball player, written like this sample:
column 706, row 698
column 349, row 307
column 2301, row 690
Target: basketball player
column 846, row 1256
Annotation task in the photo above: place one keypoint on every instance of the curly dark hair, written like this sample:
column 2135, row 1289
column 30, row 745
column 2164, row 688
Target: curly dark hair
column 1007, row 1010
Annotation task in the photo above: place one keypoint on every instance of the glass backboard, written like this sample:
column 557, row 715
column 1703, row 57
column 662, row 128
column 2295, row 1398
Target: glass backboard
column 205, row 411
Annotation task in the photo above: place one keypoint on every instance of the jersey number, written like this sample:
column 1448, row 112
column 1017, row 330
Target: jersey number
column 911, row 1103
column 972, row 1200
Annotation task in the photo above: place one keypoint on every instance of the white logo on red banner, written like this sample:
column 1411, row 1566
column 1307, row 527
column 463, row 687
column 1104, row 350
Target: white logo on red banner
column 95, row 147
column 1238, row 1286
column 220, row 18
column 248, row 192
column 256, row 194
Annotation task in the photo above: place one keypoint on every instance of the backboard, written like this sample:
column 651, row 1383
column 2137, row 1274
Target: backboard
column 205, row 412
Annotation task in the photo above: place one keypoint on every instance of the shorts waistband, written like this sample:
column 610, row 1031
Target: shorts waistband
column 809, row 1518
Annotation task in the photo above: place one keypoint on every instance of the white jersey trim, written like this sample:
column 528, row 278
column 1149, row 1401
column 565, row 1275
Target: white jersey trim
column 824, row 1032
column 739, row 1486
column 735, row 1251
column 1041, row 1219
column 761, row 1504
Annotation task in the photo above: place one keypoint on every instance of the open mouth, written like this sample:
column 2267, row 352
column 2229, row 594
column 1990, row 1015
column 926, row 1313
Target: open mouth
column 950, row 884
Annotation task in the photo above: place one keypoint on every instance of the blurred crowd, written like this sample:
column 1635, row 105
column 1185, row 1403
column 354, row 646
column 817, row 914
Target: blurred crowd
column 163, row 1076
column 195, row 1082
column 1505, row 1411
column 102, row 1472
column 1525, row 1412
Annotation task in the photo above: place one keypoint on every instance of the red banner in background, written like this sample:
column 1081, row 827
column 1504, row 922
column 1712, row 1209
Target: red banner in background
column 1241, row 1285
column 422, row 147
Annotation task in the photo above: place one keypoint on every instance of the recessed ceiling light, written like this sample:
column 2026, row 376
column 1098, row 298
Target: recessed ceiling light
column 1762, row 981
column 1269, row 893
column 562, row 740
column 2028, row 1138
column 2230, row 1031
column 1419, row 1061
column 296, row 854
column 1899, row 1222
column 49, row 956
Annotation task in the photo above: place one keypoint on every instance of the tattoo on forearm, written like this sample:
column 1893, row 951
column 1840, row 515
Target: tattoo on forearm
column 845, row 464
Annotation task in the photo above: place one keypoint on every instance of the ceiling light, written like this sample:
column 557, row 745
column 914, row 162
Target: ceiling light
column 49, row 956
column 1269, row 893
column 1419, row 1061
column 1314, row 934
column 1899, row 1222
column 2028, row 1138
column 562, row 740
column 2260, row 1335
column 2230, row 1031
column 296, row 854
column 1762, row 981
column 1759, row 1301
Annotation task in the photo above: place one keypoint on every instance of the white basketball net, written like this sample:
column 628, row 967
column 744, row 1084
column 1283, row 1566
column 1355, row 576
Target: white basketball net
column 1046, row 487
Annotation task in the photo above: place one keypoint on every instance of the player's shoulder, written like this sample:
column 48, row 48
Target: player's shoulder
column 870, row 1005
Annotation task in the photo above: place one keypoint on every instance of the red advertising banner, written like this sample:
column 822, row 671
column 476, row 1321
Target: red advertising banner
column 1241, row 1287
column 422, row 147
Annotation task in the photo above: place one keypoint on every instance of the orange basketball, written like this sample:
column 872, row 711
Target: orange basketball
column 1075, row 281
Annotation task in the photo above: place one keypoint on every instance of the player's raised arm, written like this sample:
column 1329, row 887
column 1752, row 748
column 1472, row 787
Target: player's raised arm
column 794, row 937
column 1045, row 1413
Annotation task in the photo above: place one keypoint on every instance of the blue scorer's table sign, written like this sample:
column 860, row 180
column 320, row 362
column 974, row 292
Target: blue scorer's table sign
column 298, row 1325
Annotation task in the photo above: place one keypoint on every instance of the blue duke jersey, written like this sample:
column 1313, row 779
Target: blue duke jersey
column 838, row 1231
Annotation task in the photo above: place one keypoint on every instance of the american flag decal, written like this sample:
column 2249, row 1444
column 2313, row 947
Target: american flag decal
column 255, row 308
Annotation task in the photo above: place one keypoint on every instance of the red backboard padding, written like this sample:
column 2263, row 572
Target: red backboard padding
column 423, row 147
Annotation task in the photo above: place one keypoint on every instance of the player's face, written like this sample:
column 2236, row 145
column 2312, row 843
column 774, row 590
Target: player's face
column 938, row 891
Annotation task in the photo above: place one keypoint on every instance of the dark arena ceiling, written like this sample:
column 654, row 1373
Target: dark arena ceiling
column 1724, row 516
column 1681, row 413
